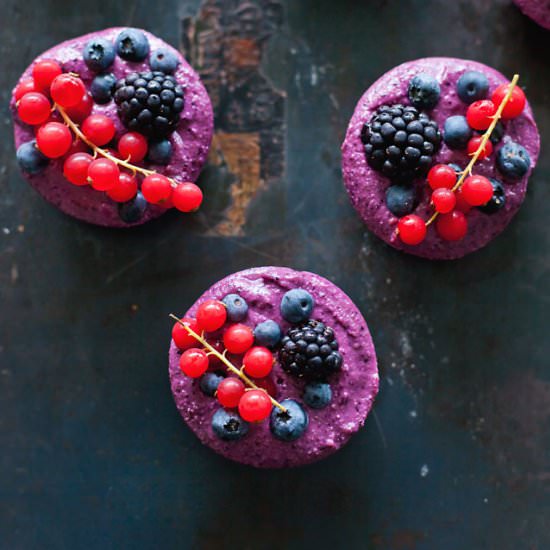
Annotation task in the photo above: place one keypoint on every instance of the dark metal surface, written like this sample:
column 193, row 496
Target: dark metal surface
column 456, row 453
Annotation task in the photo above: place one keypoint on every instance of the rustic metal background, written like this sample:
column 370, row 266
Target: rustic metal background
column 93, row 452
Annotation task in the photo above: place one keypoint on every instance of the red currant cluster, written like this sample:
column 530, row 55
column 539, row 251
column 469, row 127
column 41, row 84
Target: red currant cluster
column 86, row 161
column 455, row 194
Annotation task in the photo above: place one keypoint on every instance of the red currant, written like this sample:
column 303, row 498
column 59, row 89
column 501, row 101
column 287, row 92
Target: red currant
column 99, row 129
column 75, row 168
column 132, row 147
column 125, row 188
column 480, row 114
column 238, row 338
column 103, row 174
column 474, row 144
column 452, row 226
column 213, row 359
column 461, row 204
column 515, row 105
column 156, row 188
column 412, row 229
column 24, row 87
column 268, row 385
column 211, row 315
column 187, row 197
column 229, row 392
column 53, row 139
column 194, row 362
column 43, row 73
column 181, row 337
column 258, row 362
column 255, row 405
column 441, row 175
column 444, row 200
column 67, row 90
column 477, row 190
column 81, row 110
column 34, row 108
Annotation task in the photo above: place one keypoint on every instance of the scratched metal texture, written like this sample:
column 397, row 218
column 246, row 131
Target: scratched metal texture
column 456, row 452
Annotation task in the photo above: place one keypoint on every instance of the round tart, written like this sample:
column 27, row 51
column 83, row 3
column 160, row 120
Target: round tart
column 284, row 374
column 113, row 127
column 537, row 10
column 425, row 166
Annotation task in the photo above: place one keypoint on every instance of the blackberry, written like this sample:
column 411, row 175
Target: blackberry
column 149, row 103
column 400, row 142
column 310, row 350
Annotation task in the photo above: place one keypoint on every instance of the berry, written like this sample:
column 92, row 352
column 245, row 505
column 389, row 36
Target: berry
column 99, row 129
column 452, row 226
column 444, row 200
column 156, row 188
column 30, row 159
column 54, row 139
column 67, row 90
column 401, row 199
column 268, row 385
column 81, row 110
column 424, row 91
column 310, row 351
column 209, row 383
column 297, row 305
column 125, row 188
column 75, row 168
column 102, row 88
column 228, row 426
column 513, row 161
column 461, row 204
column 238, row 338
column 164, row 59
column 412, row 229
column 99, row 54
column 515, row 105
column 472, row 86
column 268, row 333
column 497, row 134
column 132, row 45
column 25, row 86
column 194, row 362
column 187, row 197
column 132, row 146
column 237, row 308
column 290, row 424
column 230, row 391
column 181, row 337
column 477, row 190
column 255, row 405
column 317, row 395
column 400, row 142
column 149, row 103
column 456, row 132
column 442, row 175
column 34, row 108
column 480, row 114
column 43, row 73
column 211, row 315
column 133, row 210
column 103, row 174
column 160, row 152
column 474, row 144
column 258, row 362
column 498, row 200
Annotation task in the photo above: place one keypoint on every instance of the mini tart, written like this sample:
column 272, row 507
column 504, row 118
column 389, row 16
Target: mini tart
column 354, row 386
column 190, row 139
column 537, row 10
column 367, row 187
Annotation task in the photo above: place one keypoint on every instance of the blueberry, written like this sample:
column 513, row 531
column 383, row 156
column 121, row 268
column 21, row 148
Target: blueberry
column 160, row 152
column 99, row 54
column 229, row 426
column 496, row 135
column 401, row 199
column 456, row 132
column 513, row 161
column 267, row 333
column 455, row 167
column 472, row 86
column 317, row 395
column 498, row 199
column 424, row 91
column 164, row 59
column 289, row 425
column 102, row 87
column 237, row 308
column 296, row 305
column 133, row 210
column 132, row 45
column 30, row 159
column 209, row 382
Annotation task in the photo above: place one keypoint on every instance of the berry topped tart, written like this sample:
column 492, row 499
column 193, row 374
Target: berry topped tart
column 537, row 10
column 113, row 127
column 437, row 156
column 273, row 367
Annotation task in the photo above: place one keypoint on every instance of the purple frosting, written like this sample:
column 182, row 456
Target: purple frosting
column 367, row 187
column 353, row 389
column 190, row 141
column 537, row 10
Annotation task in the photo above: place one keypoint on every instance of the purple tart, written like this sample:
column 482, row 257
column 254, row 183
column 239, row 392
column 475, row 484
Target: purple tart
column 113, row 127
column 273, row 367
column 438, row 154
column 537, row 10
